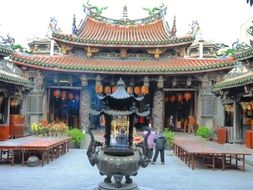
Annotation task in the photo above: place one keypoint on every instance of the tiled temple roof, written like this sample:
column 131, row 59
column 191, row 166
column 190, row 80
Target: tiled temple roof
column 71, row 63
column 99, row 34
column 234, row 82
column 5, row 50
column 243, row 55
column 14, row 79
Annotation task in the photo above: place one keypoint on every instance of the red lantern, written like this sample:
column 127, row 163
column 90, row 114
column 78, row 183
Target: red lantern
column 99, row 89
column 144, row 90
column 63, row 94
column 187, row 96
column 57, row 93
column 70, row 96
column 108, row 90
column 172, row 98
column 130, row 90
column 137, row 90
column 113, row 89
column 179, row 97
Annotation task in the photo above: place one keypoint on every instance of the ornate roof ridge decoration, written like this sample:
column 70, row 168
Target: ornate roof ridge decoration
column 244, row 54
column 238, row 70
column 5, row 50
column 250, row 29
column 148, row 32
column 237, row 81
column 70, row 63
column 238, row 76
column 14, row 78
column 95, row 12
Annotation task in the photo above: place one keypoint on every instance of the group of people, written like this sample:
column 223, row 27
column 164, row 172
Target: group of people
column 66, row 108
column 156, row 141
column 189, row 124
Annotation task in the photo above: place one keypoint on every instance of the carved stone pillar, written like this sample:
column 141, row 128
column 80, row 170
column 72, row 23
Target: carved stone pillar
column 158, row 106
column 237, row 128
column 45, row 104
column 207, row 98
column 36, row 98
column 84, row 104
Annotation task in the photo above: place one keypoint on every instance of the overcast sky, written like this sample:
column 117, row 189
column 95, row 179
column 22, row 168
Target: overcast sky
column 220, row 20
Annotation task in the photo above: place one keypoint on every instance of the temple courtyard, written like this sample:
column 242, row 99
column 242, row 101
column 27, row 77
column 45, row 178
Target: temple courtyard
column 73, row 171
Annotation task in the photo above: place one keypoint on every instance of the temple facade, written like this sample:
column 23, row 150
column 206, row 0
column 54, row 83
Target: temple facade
column 146, row 53
column 13, row 89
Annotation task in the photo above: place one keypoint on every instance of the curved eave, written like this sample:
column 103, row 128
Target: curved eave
column 234, row 83
column 126, row 44
column 77, row 65
column 244, row 55
column 15, row 80
column 5, row 51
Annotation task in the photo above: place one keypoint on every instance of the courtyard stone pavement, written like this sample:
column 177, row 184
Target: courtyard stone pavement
column 72, row 171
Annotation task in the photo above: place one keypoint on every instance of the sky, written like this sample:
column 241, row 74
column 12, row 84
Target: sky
column 220, row 20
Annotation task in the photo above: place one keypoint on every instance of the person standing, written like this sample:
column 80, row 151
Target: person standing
column 151, row 140
column 160, row 142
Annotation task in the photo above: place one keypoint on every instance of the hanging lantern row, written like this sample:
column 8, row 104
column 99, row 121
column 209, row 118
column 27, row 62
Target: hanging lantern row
column 179, row 97
column 63, row 94
column 57, row 93
column 137, row 90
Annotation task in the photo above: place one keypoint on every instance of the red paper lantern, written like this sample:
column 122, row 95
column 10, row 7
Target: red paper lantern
column 187, row 96
column 179, row 97
column 172, row 98
column 108, row 90
column 99, row 89
column 137, row 90
column 63, row 94
column 70, row 96
column 57, row 93
column 144, row 90
column 130, row 90
column 113, row 89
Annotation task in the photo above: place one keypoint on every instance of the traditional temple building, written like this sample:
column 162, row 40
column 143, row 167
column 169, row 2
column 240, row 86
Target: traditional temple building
column 42, row 46
column 146, row 53
column 13, row 87
column 204, row 49
column 236, row 89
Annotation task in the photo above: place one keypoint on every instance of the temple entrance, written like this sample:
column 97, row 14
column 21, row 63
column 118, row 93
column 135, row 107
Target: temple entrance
column 179, row 110
column 64, row 106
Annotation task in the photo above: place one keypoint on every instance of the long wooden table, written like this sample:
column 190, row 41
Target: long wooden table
column 47, row 147
column 190, row 149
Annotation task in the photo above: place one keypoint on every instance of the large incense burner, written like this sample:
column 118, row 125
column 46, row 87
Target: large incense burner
column 119, row 157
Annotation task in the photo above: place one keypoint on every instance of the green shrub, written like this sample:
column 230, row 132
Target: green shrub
column 204, row 132
column 76, row 135
column 169, row 135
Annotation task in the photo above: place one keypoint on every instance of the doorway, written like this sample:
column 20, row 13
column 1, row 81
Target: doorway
column 179, row 106
column 64, row 106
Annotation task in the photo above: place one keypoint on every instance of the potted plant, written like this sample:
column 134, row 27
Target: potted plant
column 203, row 132
column 169, row 135
column 76, row 136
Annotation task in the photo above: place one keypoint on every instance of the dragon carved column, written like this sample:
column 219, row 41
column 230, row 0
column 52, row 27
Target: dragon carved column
column 158, row 105
column 84, row 103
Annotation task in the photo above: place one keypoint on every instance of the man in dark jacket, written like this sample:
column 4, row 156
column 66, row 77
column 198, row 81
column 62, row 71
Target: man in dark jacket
column 160, row 142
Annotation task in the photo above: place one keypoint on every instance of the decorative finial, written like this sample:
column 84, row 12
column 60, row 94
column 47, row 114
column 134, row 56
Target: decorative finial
column 74, row 28
column 125, row 14
column 9, row 41
column 194, row 28
column 53, row 25
column 174, row 28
